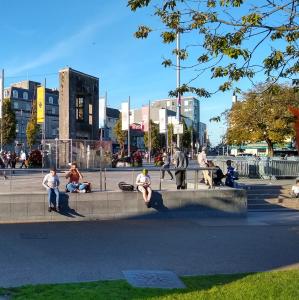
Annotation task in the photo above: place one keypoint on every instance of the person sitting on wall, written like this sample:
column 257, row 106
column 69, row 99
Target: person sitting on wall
column 74, row 176
column 143, row 182
column 295, row 189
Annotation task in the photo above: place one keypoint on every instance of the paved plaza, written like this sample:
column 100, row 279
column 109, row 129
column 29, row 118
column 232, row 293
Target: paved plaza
column 87, row 251
column 29, row 180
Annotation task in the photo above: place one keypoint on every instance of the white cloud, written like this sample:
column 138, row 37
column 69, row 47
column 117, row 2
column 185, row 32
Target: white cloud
column 59, row 50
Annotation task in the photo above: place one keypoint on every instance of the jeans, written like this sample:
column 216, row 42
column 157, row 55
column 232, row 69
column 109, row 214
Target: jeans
column 56, row 191
column 75, row 186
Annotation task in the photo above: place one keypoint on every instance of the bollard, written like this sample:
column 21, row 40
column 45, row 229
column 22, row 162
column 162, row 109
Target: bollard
column 133, row 181
column 105, row 180
column 160, row 182
column 101, row 184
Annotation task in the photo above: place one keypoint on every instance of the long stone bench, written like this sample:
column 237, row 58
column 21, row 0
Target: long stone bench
column 18, row 207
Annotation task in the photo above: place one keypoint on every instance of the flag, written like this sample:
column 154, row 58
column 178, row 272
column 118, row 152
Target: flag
column 1, row 91
column 40, row 105
column 125, row 116
column 162, row 120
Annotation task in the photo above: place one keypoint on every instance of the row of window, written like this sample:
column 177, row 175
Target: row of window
column 16, row 105
column 22, row 129
column 15, row 95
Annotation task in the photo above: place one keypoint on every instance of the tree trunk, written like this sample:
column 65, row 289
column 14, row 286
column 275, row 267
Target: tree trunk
column 270, row 148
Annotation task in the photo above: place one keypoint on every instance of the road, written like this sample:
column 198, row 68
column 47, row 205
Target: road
column 86, row 251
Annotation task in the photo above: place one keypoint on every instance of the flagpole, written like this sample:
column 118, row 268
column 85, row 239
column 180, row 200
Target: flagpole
column 1, row 104
column 149, row 131
column 129, row 140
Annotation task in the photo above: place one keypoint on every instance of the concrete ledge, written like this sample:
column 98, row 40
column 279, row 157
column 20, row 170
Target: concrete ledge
column 17, row 207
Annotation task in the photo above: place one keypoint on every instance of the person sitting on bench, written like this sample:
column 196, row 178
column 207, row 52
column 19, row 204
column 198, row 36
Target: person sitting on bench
column 74, row 175
column 143, row 182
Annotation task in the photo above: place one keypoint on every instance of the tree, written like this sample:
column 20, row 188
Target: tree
column 121, row 136
column 8, row 123
column 170, row 135
column 33, row 129
column 155, row 137
column 232, row 39
column 263, row 115
column 186, row 136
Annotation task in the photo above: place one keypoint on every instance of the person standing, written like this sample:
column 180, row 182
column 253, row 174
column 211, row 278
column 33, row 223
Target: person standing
column 203, row 163
column 13, row 160
column 51, row 183
column 180, row 160
column 23, row 158
column 166, row 165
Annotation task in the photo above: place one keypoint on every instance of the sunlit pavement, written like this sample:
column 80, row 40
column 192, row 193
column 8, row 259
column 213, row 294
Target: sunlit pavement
column 86, row 251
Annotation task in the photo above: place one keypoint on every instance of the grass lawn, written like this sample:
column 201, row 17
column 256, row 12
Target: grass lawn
column 270, row 285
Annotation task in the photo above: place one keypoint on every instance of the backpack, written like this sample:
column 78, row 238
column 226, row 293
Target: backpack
column 126, row 186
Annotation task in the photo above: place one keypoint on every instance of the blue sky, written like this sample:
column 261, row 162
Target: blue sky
column 95, row 37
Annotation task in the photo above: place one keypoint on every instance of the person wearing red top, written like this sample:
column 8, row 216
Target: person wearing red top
column 74, row 176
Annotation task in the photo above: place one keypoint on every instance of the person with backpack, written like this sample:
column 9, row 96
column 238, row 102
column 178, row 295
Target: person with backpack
column 180, row 161
column 143, row 182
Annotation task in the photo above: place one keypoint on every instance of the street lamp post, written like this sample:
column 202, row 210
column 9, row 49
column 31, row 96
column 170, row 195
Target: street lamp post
column 178, row 83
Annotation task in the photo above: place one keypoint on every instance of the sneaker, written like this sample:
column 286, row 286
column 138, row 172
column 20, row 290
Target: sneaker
column 82, row 191
column 171, row 179
column 49, row 209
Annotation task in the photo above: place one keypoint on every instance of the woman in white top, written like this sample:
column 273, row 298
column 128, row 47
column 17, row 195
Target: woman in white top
column 143, row 182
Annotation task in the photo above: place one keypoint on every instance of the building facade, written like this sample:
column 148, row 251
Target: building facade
column 190, row 112
column 22, row 95
column 78, row 105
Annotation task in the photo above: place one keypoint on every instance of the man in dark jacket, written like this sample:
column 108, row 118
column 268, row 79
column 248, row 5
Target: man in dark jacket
column 180, row 161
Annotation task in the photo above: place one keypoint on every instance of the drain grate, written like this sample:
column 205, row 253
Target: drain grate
column 153, row 279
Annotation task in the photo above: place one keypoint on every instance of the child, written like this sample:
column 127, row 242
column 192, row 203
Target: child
column 295, row 189
column 51, row 183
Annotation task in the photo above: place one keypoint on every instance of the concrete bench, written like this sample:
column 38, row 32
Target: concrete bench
column 18, row 207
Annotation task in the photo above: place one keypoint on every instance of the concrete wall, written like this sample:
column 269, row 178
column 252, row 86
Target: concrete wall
column 117, row 204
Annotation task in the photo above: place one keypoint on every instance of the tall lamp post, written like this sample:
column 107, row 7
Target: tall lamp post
column 178, row 83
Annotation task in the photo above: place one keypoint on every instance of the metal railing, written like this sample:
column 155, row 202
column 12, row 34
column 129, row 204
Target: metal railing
column 261, row 168
column 30, row 180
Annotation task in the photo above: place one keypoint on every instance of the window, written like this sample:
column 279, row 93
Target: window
column 25, row 95
column 15, row 94
column 90, row 114
column 28, row 107
column 51, row 100
column 6, row 93
column 168, row 103
column 16, row 105
column 53, row 111
column 17, row 128
column 186, row 102
column 79, row 109
column 53, row 131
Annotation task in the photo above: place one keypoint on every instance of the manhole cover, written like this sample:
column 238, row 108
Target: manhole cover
column 153, row 279
column 34, row 236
